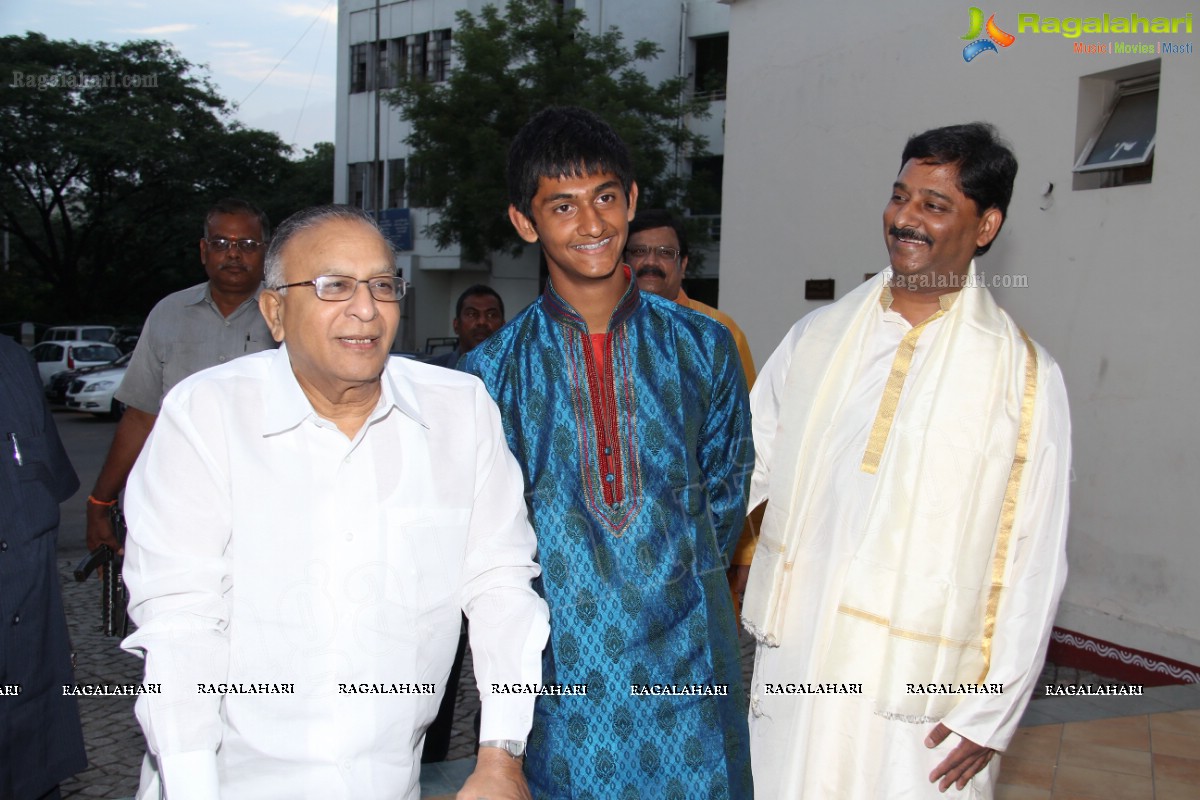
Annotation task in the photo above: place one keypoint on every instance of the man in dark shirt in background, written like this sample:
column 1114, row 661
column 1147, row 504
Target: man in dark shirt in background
column 41, row 739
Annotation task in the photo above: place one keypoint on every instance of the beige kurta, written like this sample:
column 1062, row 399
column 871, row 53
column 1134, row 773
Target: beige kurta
column 810, row 745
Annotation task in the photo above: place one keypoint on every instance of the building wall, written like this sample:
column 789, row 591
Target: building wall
column 439, row 276
column 822, row 96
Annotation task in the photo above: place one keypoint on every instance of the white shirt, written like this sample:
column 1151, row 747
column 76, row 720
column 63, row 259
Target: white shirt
column 265, row 547
column 799, row 741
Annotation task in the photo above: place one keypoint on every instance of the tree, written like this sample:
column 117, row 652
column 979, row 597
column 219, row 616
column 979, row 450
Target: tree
column 110, row 156
column 509, row 66
column 309, row 182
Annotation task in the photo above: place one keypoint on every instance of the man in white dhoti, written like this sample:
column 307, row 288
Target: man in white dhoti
column 915, row 446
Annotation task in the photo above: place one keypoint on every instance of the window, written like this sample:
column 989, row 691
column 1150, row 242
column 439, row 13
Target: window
column 428, row 55
column 416, row 186
column 396, row 179
column 438, row 55
column 358, row 184
column 390, row 60
column 415, row 56
column 47, row 353
column 712, row 66
column 95, row 352
column 1119, row 148
column 378, row 65
column 359, row 68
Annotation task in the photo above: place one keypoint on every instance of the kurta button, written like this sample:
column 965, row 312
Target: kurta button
column 349, row 536
column 220, row 358
column 16, row 619
column 3, row 546
column 609, row 478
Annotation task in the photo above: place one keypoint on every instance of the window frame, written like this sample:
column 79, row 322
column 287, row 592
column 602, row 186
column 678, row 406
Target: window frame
column 1124, row 89
column 360, row 83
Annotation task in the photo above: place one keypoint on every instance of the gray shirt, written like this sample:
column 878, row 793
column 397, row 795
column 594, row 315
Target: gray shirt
column 186, row 333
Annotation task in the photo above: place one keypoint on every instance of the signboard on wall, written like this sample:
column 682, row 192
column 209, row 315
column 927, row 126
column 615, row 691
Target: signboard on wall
column 396, row 224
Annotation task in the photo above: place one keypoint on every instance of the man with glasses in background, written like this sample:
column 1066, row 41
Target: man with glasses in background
column 657, row 252
column 305, row 526
column 187, row 331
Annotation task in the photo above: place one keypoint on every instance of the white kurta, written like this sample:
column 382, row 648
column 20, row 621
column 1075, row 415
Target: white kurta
column 824, row 746
column 268, row 549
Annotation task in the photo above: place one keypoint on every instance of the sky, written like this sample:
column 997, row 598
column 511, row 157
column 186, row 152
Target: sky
column 275, row 59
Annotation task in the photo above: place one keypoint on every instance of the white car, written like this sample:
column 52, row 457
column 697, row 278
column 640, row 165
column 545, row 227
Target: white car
column 52, row 357
column 87, row 333
column 94, row 392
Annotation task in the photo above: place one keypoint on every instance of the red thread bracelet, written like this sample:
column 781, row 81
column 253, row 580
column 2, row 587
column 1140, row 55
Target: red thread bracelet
column 108, row 504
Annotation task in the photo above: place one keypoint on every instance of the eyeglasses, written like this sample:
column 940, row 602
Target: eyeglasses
column 640, row 252
column 337, row 288
column 221, row 244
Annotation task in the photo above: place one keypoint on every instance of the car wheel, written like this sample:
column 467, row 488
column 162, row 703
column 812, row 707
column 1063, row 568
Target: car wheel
column 116, row 409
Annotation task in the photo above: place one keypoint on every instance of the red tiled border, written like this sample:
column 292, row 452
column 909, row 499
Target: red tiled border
column 1074, row 649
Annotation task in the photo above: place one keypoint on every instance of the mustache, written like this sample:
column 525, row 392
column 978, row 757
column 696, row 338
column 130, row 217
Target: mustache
column 909, row 233
column 651, row 270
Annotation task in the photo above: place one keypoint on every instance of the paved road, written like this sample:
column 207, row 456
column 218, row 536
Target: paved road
column 110, row 731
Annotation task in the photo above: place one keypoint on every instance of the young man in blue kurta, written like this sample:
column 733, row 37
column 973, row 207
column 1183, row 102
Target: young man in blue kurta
column 629, row 417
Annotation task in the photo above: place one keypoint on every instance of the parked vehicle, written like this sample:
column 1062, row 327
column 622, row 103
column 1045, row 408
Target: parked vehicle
column 60, row 382
column 127, row 336
column 52, row 357
column 84, row 333
column 94, row 391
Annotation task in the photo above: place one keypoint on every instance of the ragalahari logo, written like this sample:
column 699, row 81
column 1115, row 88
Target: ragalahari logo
column 995, row 36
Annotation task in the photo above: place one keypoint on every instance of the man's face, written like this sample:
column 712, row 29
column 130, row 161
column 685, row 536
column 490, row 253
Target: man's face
column 656, row 274
column 334, row 346
column 480, row 318
column 932, row 229
column 233, row 271
column 582, row 223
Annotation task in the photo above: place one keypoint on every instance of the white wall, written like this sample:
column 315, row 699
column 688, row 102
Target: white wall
column 822, row 96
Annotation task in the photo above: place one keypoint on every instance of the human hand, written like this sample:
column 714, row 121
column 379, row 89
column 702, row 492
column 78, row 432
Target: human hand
column 497, row 776
column 962, row 764
column 100, row 529
column 738, row 575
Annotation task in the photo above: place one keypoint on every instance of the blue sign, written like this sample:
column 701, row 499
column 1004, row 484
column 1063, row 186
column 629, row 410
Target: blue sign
column 396, row 224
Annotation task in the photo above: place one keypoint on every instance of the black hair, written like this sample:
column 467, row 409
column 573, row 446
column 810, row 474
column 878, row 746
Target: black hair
column 659, row 218
column 235, row 205
column 559, row 142
column 473, row 291
column 985, row 162
column 306, row 219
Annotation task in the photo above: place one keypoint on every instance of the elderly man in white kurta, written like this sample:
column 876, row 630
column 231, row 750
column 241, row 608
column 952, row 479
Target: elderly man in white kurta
column 305, row 526
column 915, row 447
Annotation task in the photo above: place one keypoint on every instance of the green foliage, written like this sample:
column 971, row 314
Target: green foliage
column 111, row 155
column 509, row 65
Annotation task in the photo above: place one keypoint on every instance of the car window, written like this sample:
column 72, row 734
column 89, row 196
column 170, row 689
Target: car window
column 96, row 334
column 95, row 352
column 47, row 352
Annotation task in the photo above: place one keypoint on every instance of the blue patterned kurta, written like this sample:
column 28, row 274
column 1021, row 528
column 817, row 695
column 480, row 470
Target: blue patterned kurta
column 636, row 477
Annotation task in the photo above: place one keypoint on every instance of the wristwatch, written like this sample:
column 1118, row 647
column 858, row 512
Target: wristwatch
column 513, row 747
